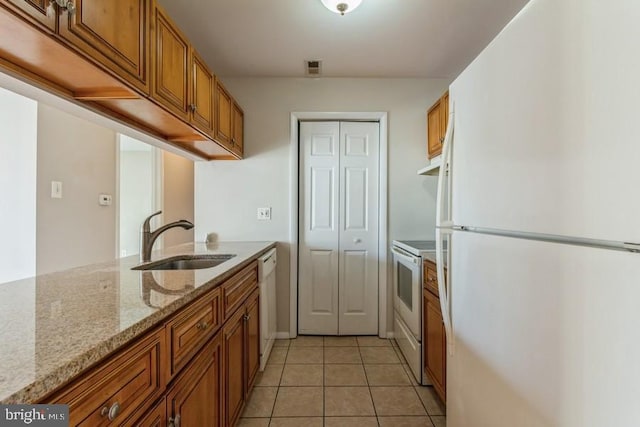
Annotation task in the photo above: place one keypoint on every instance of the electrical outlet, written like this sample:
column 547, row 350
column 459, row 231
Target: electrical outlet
column 105, row 199
column 264, row 213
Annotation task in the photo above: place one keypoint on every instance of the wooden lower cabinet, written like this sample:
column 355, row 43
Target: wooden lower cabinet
column 156, row 417
column 435, row 343
column 195, row 398
column 241, row 356
column 252, row 319
column 233, row 349
column 179, row 374
column 117, row 389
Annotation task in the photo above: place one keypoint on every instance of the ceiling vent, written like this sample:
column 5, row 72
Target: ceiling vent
column 314, row 68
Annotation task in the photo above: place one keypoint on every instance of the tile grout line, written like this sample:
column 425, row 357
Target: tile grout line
column 366, row 377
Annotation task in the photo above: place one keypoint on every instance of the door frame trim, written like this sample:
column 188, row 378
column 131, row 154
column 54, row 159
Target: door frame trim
column 384, row 297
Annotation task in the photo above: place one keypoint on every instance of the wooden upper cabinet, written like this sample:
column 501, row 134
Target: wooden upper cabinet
column 437, row 120
column 444, row 114
column 434, row 144
column 171, row 62
column 202, row 93
column 39, row 12
column 224, row 115
column 237, row 138
column 114, row 33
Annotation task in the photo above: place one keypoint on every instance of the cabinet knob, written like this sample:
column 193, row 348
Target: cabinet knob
column 193, row 108
column 441, row 140
column 202, row 326
column 246, row 317
column 174, row 422
column 111, row 413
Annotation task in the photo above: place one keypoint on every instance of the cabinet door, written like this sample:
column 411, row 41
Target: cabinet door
column 38, row 11
column 224, row 115
column 234, row 367
column 444, row 115
column 253, row 338
column 202, row 95
column 435, row 343
column 194, row 399
column 434, row 144
column 114, row 33
column 170, row 66
column 156, row 417
column 238, row 129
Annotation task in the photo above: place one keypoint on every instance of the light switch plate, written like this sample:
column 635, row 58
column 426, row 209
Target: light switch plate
column 264, row 213
column 56, row 190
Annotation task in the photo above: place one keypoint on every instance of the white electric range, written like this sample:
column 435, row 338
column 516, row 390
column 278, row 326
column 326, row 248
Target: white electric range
column 407, row 300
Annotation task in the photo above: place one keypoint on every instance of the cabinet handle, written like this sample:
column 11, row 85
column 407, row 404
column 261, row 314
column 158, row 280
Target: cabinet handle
column 112, row 412
column 202, row 326
column 174, row 422
column 65, row 5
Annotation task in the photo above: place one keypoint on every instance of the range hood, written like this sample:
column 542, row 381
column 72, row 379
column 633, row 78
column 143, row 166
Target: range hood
column 433, row 169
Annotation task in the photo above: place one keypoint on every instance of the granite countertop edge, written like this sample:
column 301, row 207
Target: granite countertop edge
column 43, row 387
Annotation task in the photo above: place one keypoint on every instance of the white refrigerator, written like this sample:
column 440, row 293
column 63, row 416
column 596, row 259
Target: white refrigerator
column 540, row 202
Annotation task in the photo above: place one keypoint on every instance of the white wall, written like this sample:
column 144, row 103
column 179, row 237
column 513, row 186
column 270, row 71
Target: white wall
column 18, row 144
column 135, row 192
column 228, row 193
column 177, row 197
column 74, row 230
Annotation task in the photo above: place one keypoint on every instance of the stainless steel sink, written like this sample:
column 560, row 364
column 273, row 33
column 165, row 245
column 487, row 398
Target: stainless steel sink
column 186, row 262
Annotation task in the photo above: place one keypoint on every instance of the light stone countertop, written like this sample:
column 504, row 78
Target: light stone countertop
column 54, row 326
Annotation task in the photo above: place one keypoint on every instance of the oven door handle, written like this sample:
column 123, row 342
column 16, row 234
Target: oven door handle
column 406, row 257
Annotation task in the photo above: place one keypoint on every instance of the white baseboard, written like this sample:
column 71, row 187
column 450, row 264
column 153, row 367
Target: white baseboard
column 282, row 335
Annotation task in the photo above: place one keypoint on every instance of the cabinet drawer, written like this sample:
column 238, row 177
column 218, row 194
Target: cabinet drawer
column 192, row 328
column 430, row 277
column 119, row 387
column 238, row 288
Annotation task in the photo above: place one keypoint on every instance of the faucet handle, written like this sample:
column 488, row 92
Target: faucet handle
column 146, row 226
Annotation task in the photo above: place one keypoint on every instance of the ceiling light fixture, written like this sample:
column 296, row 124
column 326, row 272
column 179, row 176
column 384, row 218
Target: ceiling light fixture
column 341, row 6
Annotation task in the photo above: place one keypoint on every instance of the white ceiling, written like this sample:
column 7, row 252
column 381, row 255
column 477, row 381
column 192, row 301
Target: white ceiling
column 382, row 38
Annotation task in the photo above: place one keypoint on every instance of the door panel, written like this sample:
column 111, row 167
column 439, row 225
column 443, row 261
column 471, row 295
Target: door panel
column 321, row 197
column 338, row 253
column 355, row 268
column 322, row 269
column 355, row 199
column 358, row 239
column 202, row 97
column 41, row 11
column 318, row 234
column 171, row 65
column 115, row 33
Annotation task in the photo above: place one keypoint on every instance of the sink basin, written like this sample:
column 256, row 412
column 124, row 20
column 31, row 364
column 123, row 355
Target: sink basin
column 186, row 262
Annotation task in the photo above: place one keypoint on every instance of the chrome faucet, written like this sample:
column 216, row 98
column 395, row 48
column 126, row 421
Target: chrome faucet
column 148, row 237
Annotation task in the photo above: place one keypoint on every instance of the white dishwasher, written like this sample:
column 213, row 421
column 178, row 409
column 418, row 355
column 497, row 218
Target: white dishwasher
column 267, row 277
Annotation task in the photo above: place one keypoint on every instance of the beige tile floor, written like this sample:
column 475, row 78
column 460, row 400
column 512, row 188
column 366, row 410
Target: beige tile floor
column 340, row 382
